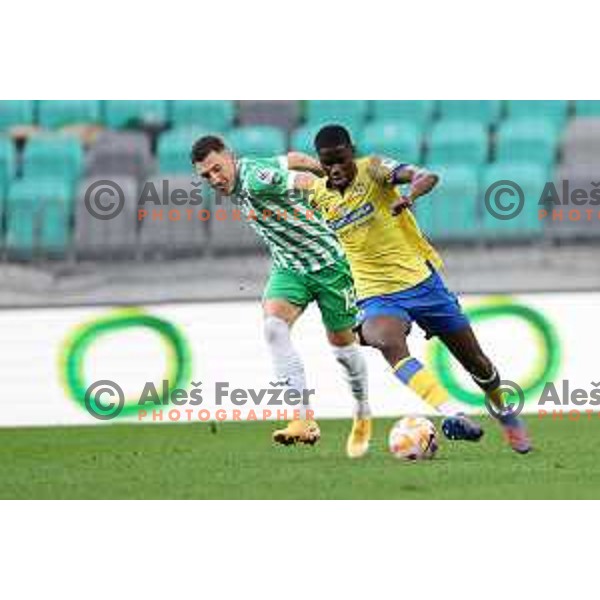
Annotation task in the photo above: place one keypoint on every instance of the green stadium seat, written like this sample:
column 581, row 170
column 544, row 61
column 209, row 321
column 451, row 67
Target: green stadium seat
column 587, row 108
column 124, row 113
column 16, row 112
column 391, row 138
column 350, row 113
column 456, row 142
column 528, row 141
column 174, row 149
column 7, row 159
column 61, row 113
column 417, row 112
column 38, row 215
column 58, row 156
column 257, row 140
column 531, row 178
column 554, row 111
column 486, row 112
column 213, row 115
column 449, row 212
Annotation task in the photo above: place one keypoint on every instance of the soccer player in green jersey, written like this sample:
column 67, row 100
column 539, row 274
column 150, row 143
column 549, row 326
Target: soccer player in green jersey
column 308, row 264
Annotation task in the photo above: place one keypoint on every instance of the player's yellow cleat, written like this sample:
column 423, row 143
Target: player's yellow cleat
column 359, row 438
column 299, row 431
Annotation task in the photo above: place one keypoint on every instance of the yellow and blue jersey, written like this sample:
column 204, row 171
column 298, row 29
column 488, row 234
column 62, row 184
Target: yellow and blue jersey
column 387, row 253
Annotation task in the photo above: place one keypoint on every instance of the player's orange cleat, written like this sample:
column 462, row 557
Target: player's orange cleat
column 358, row 440
column 299, row 431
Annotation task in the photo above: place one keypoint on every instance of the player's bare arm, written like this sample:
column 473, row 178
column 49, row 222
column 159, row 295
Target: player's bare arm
column 298, row 161
column 421, row 182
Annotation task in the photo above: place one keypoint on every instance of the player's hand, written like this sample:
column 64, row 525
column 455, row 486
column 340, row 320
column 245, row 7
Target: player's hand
column 400, row 204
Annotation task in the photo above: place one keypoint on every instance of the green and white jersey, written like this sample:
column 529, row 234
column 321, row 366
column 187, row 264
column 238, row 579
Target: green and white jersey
column 297, row 236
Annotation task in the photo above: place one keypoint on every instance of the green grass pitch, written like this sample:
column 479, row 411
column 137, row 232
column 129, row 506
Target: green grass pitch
column 188, row 461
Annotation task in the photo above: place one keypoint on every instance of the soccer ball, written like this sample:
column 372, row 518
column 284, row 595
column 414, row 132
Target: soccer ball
column 413, row 438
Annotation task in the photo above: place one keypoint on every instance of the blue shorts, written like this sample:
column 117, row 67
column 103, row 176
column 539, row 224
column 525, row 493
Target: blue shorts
column 430, row 304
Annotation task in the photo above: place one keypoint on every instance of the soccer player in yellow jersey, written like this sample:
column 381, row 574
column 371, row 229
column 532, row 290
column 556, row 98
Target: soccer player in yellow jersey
column 395, row 271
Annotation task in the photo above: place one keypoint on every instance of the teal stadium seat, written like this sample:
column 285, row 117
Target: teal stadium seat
column 213, row 115
column 458, row 142
column 16, row 112
column 528, row 141
column 61, row 113
column 59, row 156
column 554, row 111
column 38, row 213
column 302, row 139
column 174, row 149
column 395, row 139
column 531, row 178
column 417, row 112
column 587, row 108
column 350, row 113
column 122, row 113
column 7, row 159
column 257, row 141
column 486, row 112
column 450, row 211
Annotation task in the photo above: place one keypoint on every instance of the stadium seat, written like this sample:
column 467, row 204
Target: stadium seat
column 174, row 148
column 456, row 142
column 399, row 140
column 16, row 112
column 350, row 113
column 277, row 113
column 587, row 108
column 53, row 156
column 527, row 140
column 417, row 112
column 38, row 213
column 214, row 115
column 178, row 232
column 570, row 221
column 485, row 112
column 531, row 178
column 302, row 139
column 7, row 159
column 108, row 238
column 61, row 113
column 120, row 154
column 259, row 141
column 581, row 142
column 125, row 113
column 554, row 111
column 450, row 211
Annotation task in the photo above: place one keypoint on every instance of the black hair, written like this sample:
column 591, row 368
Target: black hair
column 204, row 146
column 332, row 136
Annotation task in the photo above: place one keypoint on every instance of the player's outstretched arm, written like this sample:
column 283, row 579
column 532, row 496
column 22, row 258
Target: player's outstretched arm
column 421, row 182
column 297, row 161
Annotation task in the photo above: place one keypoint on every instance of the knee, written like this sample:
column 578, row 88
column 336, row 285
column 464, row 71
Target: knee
column 276, row 330
column 393, row 347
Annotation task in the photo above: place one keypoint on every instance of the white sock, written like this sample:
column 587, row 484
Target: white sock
column 287, row 364
column 353, row 361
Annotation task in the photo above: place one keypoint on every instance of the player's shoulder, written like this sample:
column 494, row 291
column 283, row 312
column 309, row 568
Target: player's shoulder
column 258, row 173
column 378, row 168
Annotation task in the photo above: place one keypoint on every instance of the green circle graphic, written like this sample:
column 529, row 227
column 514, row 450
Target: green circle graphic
column 547, row 342
column 77, row 345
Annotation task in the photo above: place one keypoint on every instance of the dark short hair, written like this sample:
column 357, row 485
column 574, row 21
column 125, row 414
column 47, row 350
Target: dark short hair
column 205, row 145
column 332, row 136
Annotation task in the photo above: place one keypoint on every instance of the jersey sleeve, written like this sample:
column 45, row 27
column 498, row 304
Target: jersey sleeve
column 270, row 177
column 383, row 168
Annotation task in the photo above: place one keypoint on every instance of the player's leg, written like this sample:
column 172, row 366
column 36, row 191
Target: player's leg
column 285, row 298
column 333, row 289
column 465, row 347
column 389, row 334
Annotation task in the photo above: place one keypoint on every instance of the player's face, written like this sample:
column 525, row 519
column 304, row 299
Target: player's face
column 218, row 168
column 338, row 164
